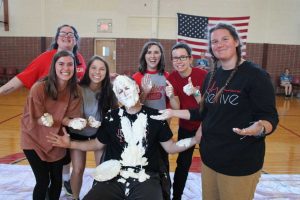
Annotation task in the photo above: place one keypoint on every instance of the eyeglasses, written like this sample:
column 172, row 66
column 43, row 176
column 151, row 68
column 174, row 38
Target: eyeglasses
column 64, row 34
column 181, row 58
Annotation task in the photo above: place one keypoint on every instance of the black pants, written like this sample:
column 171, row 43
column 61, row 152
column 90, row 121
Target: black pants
column 164, row 172
column 183, row 161
column 45, row 173
column 114, row 190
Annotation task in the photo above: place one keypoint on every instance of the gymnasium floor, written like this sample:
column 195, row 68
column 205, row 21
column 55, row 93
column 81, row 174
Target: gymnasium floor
column 281, row 178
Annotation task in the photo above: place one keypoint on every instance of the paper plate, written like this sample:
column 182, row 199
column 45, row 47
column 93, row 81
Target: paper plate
column 107, row 170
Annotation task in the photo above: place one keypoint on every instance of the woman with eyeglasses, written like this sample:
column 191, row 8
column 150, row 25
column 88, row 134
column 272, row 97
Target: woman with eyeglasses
column 238, row 111
column 66, row 38
column 183, row 90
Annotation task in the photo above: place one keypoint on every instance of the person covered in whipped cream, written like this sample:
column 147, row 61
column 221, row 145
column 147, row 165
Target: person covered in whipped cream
column 53, row 102
column 131, row 138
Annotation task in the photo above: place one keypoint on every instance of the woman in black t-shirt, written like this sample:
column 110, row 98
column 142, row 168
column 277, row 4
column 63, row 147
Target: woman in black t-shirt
column 237, row 112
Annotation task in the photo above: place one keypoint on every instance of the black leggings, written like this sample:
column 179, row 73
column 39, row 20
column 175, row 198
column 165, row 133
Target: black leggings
column 184, row 161
column 45, row 173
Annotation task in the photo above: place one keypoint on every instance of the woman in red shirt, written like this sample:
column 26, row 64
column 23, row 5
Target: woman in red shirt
column 66, row 38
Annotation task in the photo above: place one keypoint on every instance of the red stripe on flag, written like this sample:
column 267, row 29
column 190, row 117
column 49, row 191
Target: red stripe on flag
column 241, row 24
column 228, row 18
column 243, row 31
column 193, row 42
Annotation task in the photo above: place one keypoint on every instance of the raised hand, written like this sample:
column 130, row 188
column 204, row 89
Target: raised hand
column 59, row 141
column 146, row 84
column 77, row 123
column 47, row 119
column 169, row 89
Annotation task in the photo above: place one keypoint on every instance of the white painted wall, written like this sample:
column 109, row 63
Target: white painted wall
column 272, row 21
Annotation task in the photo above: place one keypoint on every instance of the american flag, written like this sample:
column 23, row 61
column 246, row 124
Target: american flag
column 193, row 30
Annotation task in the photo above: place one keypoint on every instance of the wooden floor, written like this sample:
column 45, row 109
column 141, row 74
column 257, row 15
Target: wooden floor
column 282, row 153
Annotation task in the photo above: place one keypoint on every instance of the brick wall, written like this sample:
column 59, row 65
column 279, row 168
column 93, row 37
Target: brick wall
column 20, row 51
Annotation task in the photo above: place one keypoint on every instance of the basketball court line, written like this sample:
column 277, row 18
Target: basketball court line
column 3, row 121
column 13, row 158
column 289, row 130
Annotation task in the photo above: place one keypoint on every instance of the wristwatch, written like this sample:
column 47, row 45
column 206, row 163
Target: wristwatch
column 197, row 93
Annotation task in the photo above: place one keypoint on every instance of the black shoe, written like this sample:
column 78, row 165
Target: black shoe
column 67, row 187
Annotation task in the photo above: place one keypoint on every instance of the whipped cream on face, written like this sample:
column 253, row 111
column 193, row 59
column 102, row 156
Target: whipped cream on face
column 126, row 91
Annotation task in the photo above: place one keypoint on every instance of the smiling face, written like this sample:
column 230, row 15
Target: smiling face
column 66, row 39
column 126, row 90
column 97, row 71
column 152, row 57
column 64, row 69
column 223, row 45
column 182, row 61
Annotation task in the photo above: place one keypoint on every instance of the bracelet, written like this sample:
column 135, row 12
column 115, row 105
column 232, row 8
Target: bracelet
column 197, row 93
column 262, row 133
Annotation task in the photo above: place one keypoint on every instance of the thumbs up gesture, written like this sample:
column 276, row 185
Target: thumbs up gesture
column 169, row 89
column 188, row 89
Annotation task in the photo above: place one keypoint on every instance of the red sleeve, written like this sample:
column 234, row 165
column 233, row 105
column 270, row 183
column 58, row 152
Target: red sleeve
column 37, row 69
column 168, row 105
column 80, row 69
column 138, row 78
column 166, row 74
column 172, row 79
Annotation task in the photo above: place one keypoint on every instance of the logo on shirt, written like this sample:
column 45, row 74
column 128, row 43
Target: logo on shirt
column 156, row 93
column 228, row 96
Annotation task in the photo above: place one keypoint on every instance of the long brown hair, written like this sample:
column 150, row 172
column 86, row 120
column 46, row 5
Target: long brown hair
column 143, row 64
column 231, row 29
column 106, row 97
column 51, row 80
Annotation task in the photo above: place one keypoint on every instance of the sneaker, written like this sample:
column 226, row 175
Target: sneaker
column 67, row 187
